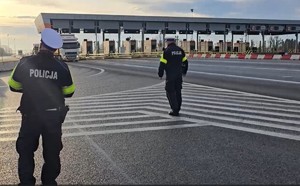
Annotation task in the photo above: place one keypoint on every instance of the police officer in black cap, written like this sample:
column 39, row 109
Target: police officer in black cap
column 44, row 83
column 175, row 63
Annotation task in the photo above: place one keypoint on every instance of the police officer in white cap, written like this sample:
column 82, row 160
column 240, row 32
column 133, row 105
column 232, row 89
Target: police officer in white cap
column 44, row 83
column 175, row 63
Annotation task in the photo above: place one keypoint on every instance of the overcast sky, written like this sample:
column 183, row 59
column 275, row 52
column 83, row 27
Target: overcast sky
column 17, row 16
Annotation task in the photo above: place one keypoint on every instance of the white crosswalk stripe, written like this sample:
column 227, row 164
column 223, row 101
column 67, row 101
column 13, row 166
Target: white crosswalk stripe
column 145, row 109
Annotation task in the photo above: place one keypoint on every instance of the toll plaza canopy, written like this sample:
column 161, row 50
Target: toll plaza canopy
column 93, row 23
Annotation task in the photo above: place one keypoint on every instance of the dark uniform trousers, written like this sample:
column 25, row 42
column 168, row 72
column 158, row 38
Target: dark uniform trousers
column 47, row 124
column 173, row 89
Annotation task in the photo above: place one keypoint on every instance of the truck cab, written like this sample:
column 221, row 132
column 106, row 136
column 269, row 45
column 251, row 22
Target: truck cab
column 70, row 48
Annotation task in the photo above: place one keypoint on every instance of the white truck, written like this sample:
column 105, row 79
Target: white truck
column 70, row 48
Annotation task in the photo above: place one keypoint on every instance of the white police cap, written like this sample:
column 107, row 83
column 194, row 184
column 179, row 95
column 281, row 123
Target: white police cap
column 51, row 38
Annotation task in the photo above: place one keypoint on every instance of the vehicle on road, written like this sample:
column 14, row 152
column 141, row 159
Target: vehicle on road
column 35, row 48
column 70, row 48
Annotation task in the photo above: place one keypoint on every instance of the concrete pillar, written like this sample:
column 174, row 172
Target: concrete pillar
column 103, row 36
column 103, row 39
column 70, row 27
column 263, row 42
column 232, row 42
column 225, row 43
column 186, row 35
column 119, row 39
column 186, row 30
column 197, row 42
column 143, row 38
column 96, row 44
column 297, row 43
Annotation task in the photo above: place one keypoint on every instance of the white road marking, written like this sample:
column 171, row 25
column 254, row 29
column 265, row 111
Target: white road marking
column 202, row 106
column 86, row 66
column 246, row 77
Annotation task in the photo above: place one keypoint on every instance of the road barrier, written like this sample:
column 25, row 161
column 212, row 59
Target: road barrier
column 8, row 63
column 252, row 56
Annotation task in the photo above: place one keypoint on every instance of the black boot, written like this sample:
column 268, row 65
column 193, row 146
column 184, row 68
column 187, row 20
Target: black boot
column 172, row 113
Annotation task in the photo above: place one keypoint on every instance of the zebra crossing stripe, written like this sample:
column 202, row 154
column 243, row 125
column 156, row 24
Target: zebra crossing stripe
column 99, row 125
column 243, row 121
column 202, row 106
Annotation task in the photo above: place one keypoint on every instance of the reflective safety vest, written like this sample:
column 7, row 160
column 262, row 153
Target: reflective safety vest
column 173, row 61
column 43, row 80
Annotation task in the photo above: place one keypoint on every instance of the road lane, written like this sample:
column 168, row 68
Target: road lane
column 279, row 79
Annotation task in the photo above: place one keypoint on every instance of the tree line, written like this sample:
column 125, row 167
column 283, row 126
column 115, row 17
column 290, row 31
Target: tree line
column 276, row 44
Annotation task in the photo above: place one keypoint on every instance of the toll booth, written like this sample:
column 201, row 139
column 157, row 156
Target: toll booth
column 130, row 46
column 150, row 46
column 86, row 47
column 220, row 46
column 229, row 46
column 205, row 46
column 241, row 47
column 109, row 46
column 188, row 46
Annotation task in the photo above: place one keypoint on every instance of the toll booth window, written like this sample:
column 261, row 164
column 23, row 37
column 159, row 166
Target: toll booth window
column 112, row 49
column 133, row 47
column 153, row 47
column 229, row 49
column 236, row 49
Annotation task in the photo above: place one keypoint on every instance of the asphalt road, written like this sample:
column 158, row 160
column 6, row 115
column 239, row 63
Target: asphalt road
column 272, row 78
column 118, row 130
